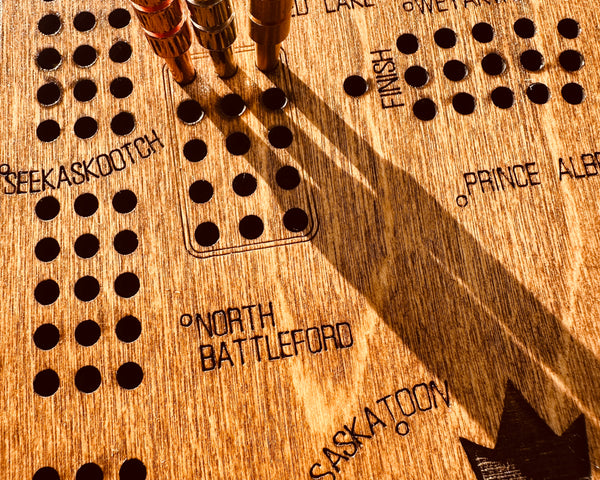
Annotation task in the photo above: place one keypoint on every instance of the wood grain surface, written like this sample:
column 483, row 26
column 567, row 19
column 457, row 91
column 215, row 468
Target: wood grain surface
column 421, row 293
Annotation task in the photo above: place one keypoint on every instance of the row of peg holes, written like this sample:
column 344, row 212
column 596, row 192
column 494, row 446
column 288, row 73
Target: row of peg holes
column 86, row 205
column 251, row 227
column 483, row 32
column 84, row 56
column 87, row 333
column 88, row 379
column 190, row 112
column 465, row 103
column 87, row 288
column 502, row 97
column 86, row 246
column 84, row 90
column 245, row 184
column 131, row 469
column 493, row 64
column 86, row 127
column 231, row 106
column 51, row 23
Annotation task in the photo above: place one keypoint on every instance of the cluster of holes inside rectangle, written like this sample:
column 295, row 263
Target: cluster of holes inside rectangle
column 240, row 221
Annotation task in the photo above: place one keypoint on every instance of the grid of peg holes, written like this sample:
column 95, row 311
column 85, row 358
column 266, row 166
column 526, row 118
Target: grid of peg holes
column 237, row 143
column 86, row 289
column 493, row 64
column 49, row 58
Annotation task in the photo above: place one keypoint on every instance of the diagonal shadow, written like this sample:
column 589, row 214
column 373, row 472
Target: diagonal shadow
column 445, row 297
column 444, row 257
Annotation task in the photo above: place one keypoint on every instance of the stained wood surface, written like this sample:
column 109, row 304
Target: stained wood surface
column 445, row 304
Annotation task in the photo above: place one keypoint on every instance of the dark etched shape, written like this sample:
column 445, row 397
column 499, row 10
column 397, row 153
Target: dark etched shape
column 455, row 70
column 128, row 329
column 573, row 93
column 493, row 64
column 207, row 234
column 86, row 204
column 47, row 249
column 528, row 449
column 201, row 191
column 525, row 28
column 464, row 103
column 119, row 18
column 127, row 285
column 274, row 99
column 46, row 292
column 503, row 97
column 295, row 220
column 130, row 375
column 280, row 136
column 123, row 123
column 445, row 38
column 88, row 379
column 84, row 21
column 46, row 337
column 416, row 76
column 120, row 52
column 85, row 56
column 532, row 60
column 355, row 86
column 407, row 43
column 87, row 333
column 124, row 201
column 126, row 242
column 49, row 94
column 49, row 59
column 46, row 473
column 538, row 93
column 195, row 150
column 87, row 288
column 48, row 131
column 121, row 87
column 50, row 24
column 287, row 177
column 251, row 227
column 47, row 208
column 89, row 471
column 483, row 32
column 132, row 469
column 85, row 127
column 569, row 28
column 425, row 109
column 46, row 383
column 232, row 105
column 238, row 143
column 244, row 184
column 87, row 245
column 190, row 112
column 85, row 90
column 571, row 60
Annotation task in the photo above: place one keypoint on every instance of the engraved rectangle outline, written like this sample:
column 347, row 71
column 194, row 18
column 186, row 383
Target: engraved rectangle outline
column 187, row 234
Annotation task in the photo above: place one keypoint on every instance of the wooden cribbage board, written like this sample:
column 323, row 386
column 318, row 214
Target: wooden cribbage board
column 432, row 275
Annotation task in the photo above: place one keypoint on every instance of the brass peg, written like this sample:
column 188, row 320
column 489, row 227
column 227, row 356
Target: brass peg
column 269, row 26
column 214, row 24
column 169, row 34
